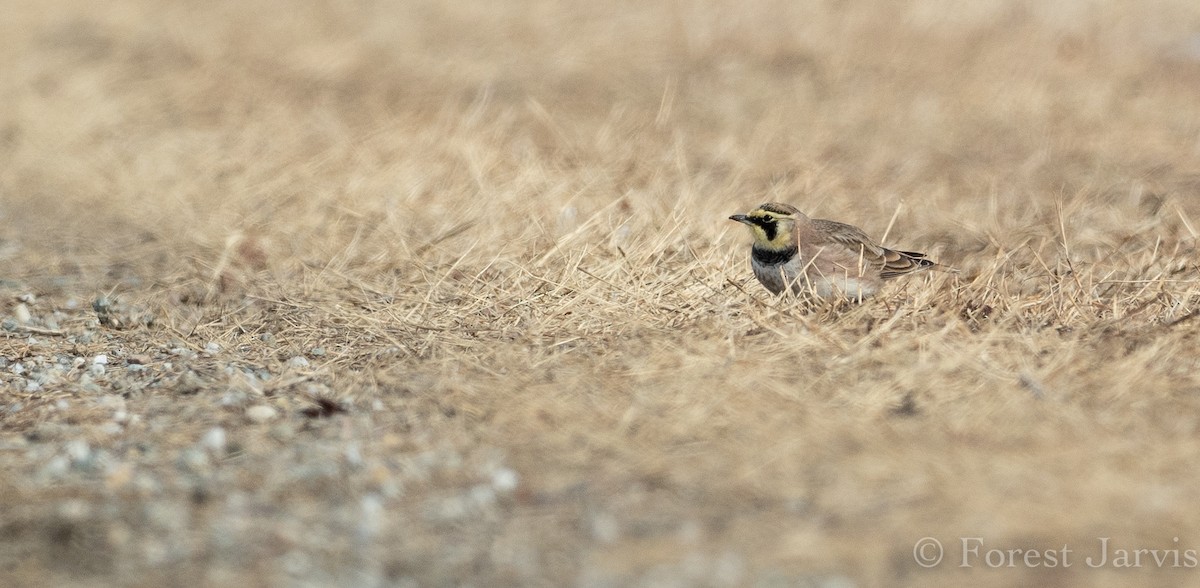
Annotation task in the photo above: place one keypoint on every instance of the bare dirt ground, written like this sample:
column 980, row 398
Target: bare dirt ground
column 443, row 293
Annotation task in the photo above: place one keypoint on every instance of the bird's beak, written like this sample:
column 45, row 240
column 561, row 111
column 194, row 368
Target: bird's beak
column 741, row 218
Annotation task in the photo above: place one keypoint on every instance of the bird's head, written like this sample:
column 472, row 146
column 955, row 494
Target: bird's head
column 773, row 225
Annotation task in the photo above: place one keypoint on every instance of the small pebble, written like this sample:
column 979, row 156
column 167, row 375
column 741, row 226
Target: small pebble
column 690, row 532
column 100, row 359
column 504, row 480
column 605, row 527
column 194, row 460
column 354, row 455
column 233, row 398
column 214, row 440
column 22, row 314
column 297, row 563
column 74, row 510
column 298, row 362
column 261, row 413
column 78, row 451
column 373, row 513
column 57, row 467
column 189, row 383
column 212, row 348
column 482, row 495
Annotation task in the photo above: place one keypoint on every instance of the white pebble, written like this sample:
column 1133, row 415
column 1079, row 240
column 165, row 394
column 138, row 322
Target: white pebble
column 78, row 450
column 373, row 514
column 728, row 570
column 354, row 455
column 74, row 510
column 21, row 312
column 690, row 532
column 214, row 440
column 481, row 495
column 57, row 467
column 605, row 528
column 297, row 563
column 298, row 362
column 261, row 413
column 212, row 348
column 504, row 480
column 100, row 360
column 194, row 460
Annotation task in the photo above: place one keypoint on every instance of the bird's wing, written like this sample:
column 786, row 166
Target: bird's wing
column 891, row 263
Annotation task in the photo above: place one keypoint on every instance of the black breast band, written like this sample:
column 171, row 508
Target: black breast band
column 773, row 257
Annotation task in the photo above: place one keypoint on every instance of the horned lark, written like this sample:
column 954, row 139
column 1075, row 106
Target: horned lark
column 822, row 257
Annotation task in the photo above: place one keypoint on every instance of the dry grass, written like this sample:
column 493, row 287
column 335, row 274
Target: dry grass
column 476, row 257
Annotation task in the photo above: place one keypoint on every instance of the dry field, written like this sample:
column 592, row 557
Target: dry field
column 444, row 294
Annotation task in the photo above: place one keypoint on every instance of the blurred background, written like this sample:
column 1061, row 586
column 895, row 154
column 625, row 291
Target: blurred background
column 174, row 118
column 414, row 293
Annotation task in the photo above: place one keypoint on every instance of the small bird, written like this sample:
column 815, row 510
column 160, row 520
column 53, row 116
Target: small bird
column 822, row 257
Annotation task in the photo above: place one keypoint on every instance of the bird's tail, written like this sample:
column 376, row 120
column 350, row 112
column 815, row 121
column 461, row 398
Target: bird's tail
column 898, row 263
